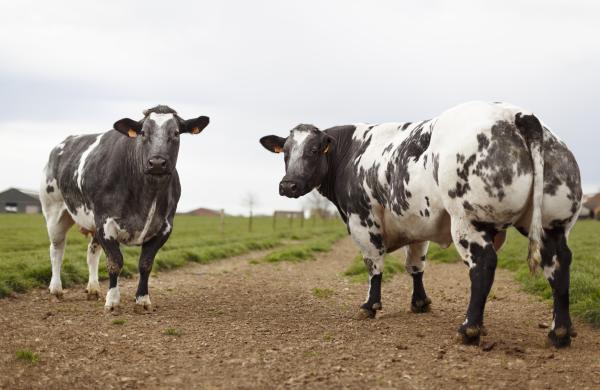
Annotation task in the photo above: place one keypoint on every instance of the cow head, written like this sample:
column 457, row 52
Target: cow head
column 305, row 155
column 157, row 135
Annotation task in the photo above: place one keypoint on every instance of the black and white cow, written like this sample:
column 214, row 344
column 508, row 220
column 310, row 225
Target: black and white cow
column 463, row 177
column 122, row 187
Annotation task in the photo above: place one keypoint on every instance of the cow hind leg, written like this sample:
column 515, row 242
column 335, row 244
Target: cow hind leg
column 58, row 222
column 556, row 262
column 415, row 265
column 475, row 244
column 93, row 258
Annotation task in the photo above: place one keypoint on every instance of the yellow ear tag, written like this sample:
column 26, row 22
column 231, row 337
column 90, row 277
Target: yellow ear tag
column 195, row 130
column 132, row 133
column 326, row 149
column 277, row 149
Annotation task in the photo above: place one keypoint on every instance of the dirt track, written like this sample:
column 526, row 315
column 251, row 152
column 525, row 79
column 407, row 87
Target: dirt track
column 259, row 326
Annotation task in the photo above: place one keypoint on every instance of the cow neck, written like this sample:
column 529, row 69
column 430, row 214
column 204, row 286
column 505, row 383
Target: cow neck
column 337, row 159
column 150, row 187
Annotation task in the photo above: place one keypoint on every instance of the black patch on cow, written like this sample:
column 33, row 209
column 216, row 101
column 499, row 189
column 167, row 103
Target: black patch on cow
column 425, row 162
column 561, row 168
column 467, row 206
column 436, row 167
column 427, row 201
column 426, row 212
column 464, row 243
column 462, row 185
column 505, row 157
column 377, row 241
column 483, row 142
column 49, row 189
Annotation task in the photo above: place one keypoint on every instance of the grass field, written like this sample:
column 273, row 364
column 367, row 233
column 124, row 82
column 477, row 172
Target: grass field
column 25, row 262
column 24, row 259
column 584, row 242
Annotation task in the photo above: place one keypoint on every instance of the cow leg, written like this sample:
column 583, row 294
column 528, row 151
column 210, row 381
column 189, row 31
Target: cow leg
column 58, row 222
column 556, row 263
column 114, row 264
column 149, row 250
column 93, row 258
column 367, row 235
column 415, row 265
column 474, row 242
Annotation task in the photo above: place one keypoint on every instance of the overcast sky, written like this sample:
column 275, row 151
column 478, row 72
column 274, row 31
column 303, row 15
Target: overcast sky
column 261, row 67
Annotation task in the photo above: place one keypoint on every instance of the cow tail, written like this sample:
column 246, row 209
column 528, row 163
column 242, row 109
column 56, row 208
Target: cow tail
column 533, row 132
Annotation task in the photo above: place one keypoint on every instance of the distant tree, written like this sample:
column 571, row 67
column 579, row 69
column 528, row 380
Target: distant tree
column 250, row 201
column 318, row 205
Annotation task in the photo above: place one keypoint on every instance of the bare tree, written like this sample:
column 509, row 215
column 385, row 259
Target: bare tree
column 250, row 201
column 318, row 205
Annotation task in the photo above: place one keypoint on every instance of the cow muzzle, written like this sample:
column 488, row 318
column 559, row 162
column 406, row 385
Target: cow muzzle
column 157, row 166
column 289, row 188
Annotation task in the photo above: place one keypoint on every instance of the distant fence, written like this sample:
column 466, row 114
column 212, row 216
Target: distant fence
column 290, row 215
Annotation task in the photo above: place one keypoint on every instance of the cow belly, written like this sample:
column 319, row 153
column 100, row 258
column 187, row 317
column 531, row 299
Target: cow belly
column 84, row 218
column 401, row 230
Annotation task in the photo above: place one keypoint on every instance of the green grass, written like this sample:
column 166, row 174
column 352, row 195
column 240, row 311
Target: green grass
column 27, row 355
column 358, row 272
column 119, row 321
column 584, row 242
column 308, row 249
column 172, row 332
column 322, row 292
column 25, row 262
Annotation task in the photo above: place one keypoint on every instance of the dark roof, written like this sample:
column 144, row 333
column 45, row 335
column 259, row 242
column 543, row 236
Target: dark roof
column 20, row 195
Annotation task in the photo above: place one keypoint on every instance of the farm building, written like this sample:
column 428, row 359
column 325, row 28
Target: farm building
column 15, row 200
column 202, row 212
column 592, row 203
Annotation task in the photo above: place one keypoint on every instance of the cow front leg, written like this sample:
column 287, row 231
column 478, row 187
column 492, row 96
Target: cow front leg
column 474, row 242
column 149, row 250
column 415, row 265
column 114, row 264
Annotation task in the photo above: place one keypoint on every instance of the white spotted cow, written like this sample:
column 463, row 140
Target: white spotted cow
column 121, row 187
column 463, row 177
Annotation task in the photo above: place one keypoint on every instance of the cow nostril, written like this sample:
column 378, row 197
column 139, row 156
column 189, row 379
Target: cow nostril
column 157, row 162
column 293, row 186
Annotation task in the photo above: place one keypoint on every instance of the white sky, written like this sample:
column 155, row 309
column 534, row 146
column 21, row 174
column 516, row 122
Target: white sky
column 261, row 67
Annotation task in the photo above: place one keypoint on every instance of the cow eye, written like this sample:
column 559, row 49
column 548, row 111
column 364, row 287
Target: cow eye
column 314, row 151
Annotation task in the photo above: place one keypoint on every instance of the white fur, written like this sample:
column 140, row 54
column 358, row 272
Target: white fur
column 549, row 270
column 160, row 119
column 84, row 156
column 143, row 301
column 93, row 258
column 140, row 238
column 113, row 298
column 167, row 228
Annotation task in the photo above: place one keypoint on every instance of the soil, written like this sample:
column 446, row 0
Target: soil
column 234, row 324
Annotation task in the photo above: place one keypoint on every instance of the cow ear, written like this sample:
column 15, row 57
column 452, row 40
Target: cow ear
column 195, row 125
column 328, row 144
column 273, row 143
column 129, row 127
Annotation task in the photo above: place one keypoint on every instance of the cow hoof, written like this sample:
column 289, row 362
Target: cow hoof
column 420, row 305
column 142, row 309
column 115, row 310
column 93, row 291
column 56, row 294
column 369, row 310
column 561, row 337
column 142, row 305
column 469, row 335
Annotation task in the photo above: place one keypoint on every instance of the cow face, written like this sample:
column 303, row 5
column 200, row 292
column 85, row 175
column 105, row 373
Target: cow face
column 305, row 155
column 157, row 137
